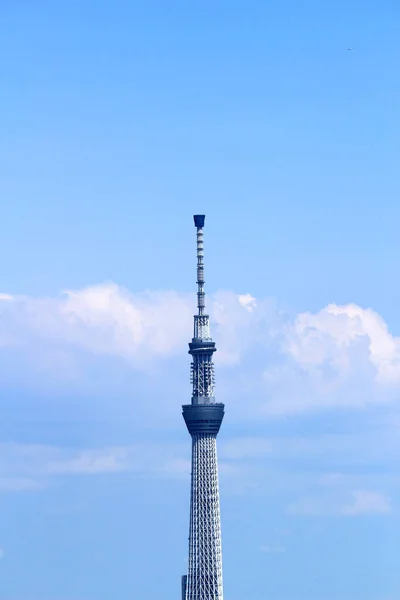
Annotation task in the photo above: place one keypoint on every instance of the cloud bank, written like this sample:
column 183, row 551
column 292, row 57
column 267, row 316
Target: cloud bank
column 341, row 355
column 246, row 465
column 269, row 361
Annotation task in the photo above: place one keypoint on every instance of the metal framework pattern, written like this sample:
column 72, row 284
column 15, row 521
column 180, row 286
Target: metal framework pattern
column 204, row 578
column 203, row 419
column 202, row 378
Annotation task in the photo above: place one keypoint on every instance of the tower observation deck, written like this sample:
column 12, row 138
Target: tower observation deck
column 203, row 418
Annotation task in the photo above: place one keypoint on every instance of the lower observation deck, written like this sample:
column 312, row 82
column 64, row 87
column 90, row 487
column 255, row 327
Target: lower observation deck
column 203, row 418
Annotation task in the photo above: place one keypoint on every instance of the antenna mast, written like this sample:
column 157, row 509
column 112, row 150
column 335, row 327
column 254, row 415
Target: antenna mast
column 202, row 347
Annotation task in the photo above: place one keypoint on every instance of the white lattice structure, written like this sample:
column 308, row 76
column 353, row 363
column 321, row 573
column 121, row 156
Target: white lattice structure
column 203, row 418
column 204, row 578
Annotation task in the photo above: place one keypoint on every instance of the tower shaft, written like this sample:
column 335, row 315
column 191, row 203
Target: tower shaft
column 203, row 418
column 204, row 579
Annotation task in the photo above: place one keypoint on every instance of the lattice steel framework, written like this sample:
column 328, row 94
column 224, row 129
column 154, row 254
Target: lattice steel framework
column 203, row 419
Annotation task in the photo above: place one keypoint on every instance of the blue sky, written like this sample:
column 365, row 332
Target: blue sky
column 119, row 121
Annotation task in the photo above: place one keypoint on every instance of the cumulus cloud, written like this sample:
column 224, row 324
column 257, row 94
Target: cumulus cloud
column 107, row 319
column 329, row 336
column 248, row 302
column 338, row 356
column 102, row 319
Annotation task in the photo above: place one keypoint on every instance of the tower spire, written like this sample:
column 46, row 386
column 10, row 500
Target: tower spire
column 202, row 347
column 199, row 223
column 203, row 418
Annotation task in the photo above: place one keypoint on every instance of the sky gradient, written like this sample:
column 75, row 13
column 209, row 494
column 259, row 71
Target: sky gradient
column 280, row 122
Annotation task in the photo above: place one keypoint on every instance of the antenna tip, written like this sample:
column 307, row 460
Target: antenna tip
column 199, row 220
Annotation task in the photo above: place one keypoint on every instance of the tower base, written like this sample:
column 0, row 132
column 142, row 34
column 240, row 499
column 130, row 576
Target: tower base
column 184, row 581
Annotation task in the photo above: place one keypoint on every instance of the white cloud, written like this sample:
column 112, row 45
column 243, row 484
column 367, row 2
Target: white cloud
column 267, row 363
column 102, row 319
column 329, row 336
column 106, row 319
column 367, row 502
column 239, row 322
column 248, row 302
column 339, row 356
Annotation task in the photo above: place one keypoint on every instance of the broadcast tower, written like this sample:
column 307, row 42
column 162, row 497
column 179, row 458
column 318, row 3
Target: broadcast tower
column 203, row 418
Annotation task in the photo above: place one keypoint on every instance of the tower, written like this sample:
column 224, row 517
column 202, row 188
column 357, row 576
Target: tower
column 203, row 418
